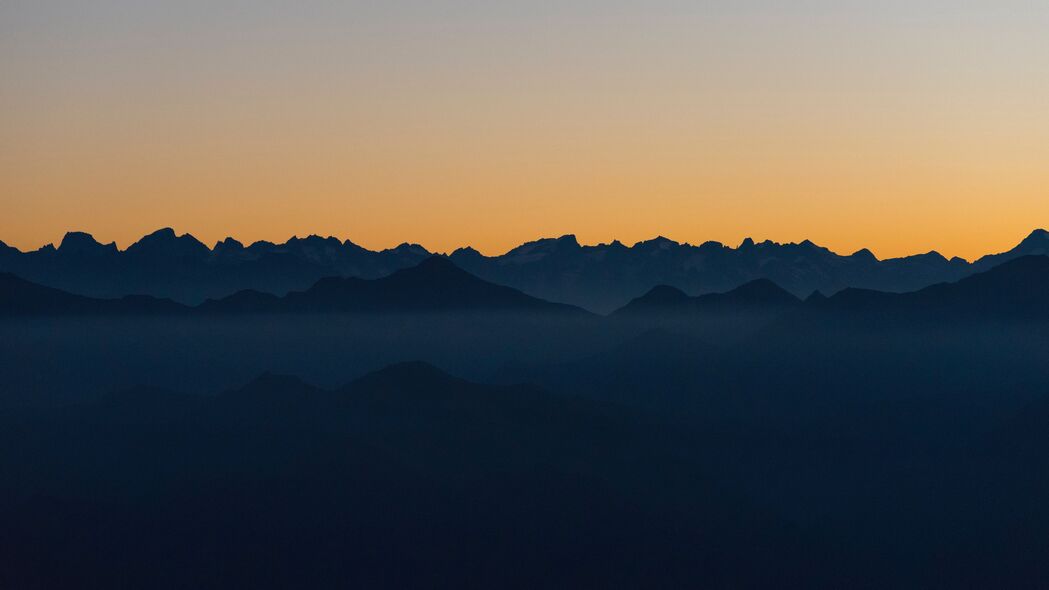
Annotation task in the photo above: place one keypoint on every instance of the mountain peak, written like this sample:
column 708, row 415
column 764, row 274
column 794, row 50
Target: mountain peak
column 406, row 248
column 75, row 238
column 658, row 243
column 162, row 233
column 164, row 242
column 228, row 244
column 932, row 255
column 537, row 249
column 664, row 298
column 404, row 374
column 77, row 242
column 314, row 239
column 1035, row 243
column 864, row 254
column 746, row 243
column 430, row 272
column 466, row 251
column 436, row 262
column 760, row 290
column 434, row 284
column 664, row 293
column 659, row 299
column 816, row 297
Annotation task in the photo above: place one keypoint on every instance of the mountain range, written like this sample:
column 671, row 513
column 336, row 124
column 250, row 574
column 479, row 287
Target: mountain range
column 724, row 437
column 433, row 285
column 757, row 294
column 1018, row 287
column 600, row 278
column 1015, row 288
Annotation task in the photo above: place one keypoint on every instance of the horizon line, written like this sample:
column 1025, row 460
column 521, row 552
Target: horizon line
column 744, row 242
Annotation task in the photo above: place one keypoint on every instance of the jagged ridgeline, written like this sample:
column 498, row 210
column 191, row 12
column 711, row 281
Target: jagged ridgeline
column 599, row 278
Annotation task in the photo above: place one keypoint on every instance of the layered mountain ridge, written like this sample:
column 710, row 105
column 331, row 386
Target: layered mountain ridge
column 434, row 285
column 599, row 277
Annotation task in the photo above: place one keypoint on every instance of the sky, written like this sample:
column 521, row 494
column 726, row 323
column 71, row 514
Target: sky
column 897, row 126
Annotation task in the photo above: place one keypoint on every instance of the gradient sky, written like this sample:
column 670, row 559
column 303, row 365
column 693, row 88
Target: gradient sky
column 899, row 126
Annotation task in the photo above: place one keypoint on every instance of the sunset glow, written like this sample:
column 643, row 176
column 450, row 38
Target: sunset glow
column 900, row 127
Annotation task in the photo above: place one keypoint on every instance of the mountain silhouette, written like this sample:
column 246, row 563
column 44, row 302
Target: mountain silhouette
column 756, row 294
column 21, row 297
column 608, row 276
column 1035, row 244
column 600, row 278
column 435, row 284
column 165, row 244
column 1018, row 287
column 81, row 244
column 179, row 267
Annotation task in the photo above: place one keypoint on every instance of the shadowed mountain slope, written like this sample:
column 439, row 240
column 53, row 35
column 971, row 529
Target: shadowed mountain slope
column 1016, row 288
column 759, row 294
column 20, row 297
column 435, row 284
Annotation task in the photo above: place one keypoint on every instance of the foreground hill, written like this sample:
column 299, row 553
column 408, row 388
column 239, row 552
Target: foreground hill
column 600, row 278
column 912, row 441
column 406, row 477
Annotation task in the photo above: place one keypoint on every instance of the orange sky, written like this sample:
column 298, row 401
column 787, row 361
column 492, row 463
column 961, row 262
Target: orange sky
column 913, row 127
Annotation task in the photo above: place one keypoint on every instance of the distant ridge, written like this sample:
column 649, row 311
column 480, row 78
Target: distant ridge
column 1018, row 287
column 180, row 267
column 435, row 284
column 600, row 278
column 21, row 297
column 756, row 294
